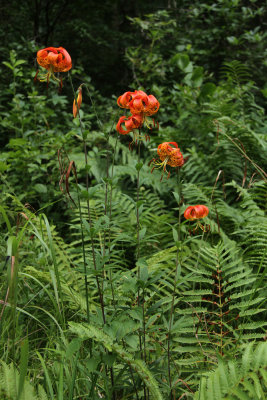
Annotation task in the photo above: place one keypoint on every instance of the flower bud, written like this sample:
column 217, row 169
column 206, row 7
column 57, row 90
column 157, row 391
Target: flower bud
column 77, row 103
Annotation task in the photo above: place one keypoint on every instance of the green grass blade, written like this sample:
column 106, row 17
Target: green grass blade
column 60, row 382
column 48, row 380
column 24, row 359
column 2, row 210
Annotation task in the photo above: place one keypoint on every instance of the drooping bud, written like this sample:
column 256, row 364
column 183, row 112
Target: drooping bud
column 77, row 103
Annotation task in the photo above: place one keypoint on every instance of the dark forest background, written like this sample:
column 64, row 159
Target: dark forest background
column 98, row 34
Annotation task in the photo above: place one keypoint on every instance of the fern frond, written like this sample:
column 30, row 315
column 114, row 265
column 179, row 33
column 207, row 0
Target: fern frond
column 89, row 331
column 9, row 384
column 235, row 71
column 245, row 378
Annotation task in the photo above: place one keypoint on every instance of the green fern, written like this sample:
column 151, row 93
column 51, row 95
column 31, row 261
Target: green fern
column 91, row 332
column 244, row 378
column 215, row 308
column 235, row 71
column 252, row 234
column 9, row 384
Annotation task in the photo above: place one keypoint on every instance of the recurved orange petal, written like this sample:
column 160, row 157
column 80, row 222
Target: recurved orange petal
column 196, row 212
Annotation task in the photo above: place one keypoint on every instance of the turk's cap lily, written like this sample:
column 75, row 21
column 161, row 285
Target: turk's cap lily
column 165, row 148
column 153, row 105
column 130, row 123
column 125, row 99
column 196, row 212
column 170, row 154
column 55, row 58
column 139, row 102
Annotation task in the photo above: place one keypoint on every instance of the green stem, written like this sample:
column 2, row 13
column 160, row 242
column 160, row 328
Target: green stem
column 84, row 258
column 100, row 292
column 91, row 229
column 110, row 212
column 177, row 263
column 104, row 250
column 146, row 391
column 137, row 214
column 260, row 170
column 13, row 300
column 93, row 105
column 142, row 348
column 221, row 313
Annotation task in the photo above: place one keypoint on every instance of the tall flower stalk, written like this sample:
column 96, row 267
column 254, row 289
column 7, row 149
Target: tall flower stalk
column 76, row 107
column 141, row 106
column 65, row 173
column 100, row 294
column 177, row 264
column 108, row 204
column 108, row 212
column 108, row 209
column 170, row 155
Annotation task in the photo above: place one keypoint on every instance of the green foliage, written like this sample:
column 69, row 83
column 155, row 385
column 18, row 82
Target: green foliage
column 240, row 379
column 9, row 385
column 88, row 331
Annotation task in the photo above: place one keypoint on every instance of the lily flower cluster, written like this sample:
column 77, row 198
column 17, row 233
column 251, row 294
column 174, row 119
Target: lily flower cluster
column 141, row 107
column 53, row 59
column 169, row 154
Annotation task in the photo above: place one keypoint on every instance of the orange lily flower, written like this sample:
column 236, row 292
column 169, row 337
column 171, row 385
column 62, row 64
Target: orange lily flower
column 139, row 102
column 125, row 99
column 130, row 123
column 196, row 212
column 141, row 107
column 77, row 103
column 169, row 154
column 153, row 105
column 53, row 59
